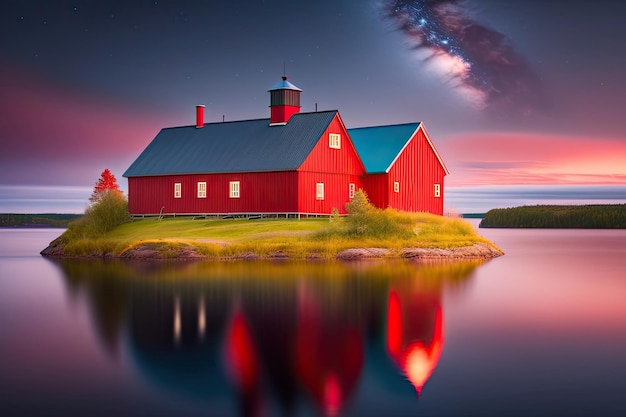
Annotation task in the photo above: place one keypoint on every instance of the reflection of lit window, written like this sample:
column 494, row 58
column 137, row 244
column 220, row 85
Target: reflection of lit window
column 234, row 189
column 177, row 320
column 202, row 190
column 177, row 191
column 396, row 187
column 437, row 190
column 352, row 191
column 319, row 191
column 201, row 318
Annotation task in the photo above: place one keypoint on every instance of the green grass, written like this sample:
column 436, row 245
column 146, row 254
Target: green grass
column 364, row 227
column 297, row 238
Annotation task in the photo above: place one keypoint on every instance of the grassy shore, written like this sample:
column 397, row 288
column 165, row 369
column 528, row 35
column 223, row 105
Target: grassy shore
column 322, row 238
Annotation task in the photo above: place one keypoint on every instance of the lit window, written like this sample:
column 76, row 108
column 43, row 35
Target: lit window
column 234, row 189
column 319, row 191
column 177, row 190
column 437, row 190
column 396, row 187
column 202, row 190
column 334, row 140
column 352, row 191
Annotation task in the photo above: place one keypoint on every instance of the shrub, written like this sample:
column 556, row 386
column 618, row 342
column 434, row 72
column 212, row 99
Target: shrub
column 110, row 211
column 366, row 221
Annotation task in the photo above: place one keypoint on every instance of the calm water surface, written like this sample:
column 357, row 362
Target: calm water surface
column 540, row 331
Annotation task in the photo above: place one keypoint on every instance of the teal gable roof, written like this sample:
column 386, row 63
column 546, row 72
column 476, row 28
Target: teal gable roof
column 379, row 146
column 244, row 146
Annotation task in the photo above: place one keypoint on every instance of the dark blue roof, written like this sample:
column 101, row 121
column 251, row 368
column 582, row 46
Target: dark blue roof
column 379, row 146
column 243, row 146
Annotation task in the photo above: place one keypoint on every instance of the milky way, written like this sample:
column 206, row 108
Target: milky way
column 479, row 61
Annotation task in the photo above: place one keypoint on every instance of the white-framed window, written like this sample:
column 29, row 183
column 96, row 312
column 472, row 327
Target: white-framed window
column 352, row 190
column 319, row 191
column 334, row 140
column 234, row 189
column 177, row 190
column 396, row 187
column 202, row 190
column 437, row 190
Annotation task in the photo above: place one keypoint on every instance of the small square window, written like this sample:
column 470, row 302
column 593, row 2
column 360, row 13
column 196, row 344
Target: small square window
column 319, row 191
column 177, row 190
column 234, row 189
column 437, row 190
column 202, row 190
column 334, row 140
column 396, row 187
column 352, row 191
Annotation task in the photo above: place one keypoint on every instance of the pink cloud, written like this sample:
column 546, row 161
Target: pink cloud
column 48, row 127
column 49, row 119
column 515, row 158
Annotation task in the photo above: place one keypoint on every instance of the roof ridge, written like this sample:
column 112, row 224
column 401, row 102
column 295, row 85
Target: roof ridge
column 393, row 125
column 218, row 123
column 248, row 120
column 316, row 112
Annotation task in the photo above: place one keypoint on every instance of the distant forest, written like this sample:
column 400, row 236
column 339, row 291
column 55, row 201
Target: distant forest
column 606, row 216
column 36, row 220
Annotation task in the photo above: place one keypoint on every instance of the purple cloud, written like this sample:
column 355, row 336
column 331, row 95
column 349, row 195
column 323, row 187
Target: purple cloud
column 479, row 61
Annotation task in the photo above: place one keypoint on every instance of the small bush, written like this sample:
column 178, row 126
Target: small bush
column 110, row 211
column 360, row 204
column 366, row 221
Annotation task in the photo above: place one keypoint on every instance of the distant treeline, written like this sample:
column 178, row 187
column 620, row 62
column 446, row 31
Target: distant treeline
column 473, row 215
column 36, row 220
column 605, row 216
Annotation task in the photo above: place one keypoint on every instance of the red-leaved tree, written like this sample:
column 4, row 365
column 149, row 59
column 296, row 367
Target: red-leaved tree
column 106, row 183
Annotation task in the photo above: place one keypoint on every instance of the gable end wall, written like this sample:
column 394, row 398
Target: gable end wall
column 335, row 168
column 417, row 169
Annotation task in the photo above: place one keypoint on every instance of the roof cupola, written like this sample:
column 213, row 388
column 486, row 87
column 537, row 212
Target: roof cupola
column 284, row 102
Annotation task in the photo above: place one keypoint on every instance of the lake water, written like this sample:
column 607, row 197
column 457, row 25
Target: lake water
column 540, row 331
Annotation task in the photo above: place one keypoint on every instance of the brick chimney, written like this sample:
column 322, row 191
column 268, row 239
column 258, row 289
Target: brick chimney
column 199, row 116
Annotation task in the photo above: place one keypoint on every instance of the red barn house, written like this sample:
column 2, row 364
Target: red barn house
column 290, row 164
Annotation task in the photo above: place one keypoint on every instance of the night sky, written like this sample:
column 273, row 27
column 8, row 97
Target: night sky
column 524, row 99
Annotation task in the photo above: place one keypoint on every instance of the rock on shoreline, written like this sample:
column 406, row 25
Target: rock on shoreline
column 475, row 251
column 151, row 251
column 55, row 249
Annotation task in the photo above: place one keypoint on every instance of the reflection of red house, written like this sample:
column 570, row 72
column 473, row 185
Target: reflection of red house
column 329, row 355
column 415, row 334
column 292, row 163
column 241, row 359
column 242, row 362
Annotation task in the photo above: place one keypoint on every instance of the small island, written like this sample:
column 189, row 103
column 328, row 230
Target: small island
column 106, row 231
column 597, row 216
column 37, row 220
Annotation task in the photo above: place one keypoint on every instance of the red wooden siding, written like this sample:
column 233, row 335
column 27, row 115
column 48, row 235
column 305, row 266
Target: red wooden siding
column 336, row 191
column 377, row 189
column 281, row 114
column 264, row 192
column 417, row 170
